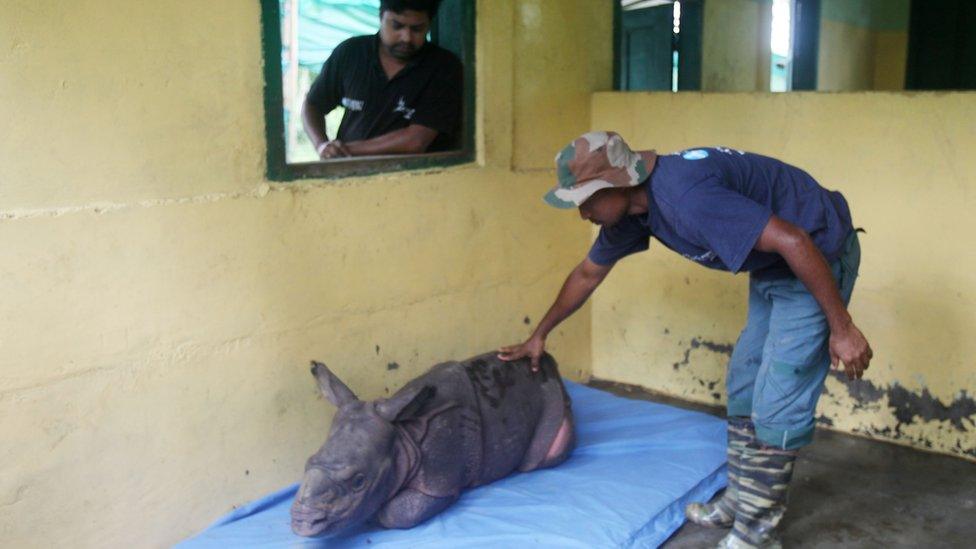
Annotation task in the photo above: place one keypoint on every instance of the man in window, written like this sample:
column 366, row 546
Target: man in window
column 733, row 211
column 401, row 94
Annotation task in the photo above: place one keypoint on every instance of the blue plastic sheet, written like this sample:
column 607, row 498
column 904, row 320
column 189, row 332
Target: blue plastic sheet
column 635, row 467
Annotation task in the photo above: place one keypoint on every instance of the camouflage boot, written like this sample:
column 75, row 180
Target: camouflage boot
column 721, row 514
column 764, row 477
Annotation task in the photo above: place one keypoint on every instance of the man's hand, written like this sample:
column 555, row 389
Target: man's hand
column 849, row 346
column 333, row 149
column 532, row 348
column 847, row 343
column 578, row 286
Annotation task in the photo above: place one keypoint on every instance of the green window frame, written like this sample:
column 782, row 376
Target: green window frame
column 453, row 28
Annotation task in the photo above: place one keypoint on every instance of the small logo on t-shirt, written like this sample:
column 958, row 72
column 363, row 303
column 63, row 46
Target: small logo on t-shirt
column 352, row 104
column 702, row 258
column 696, row 154
column 402, row 107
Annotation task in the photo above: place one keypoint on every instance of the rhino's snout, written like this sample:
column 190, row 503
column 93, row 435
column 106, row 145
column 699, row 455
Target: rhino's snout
column 309, row 520
column 315, row 489
column 308, row 525
column 311, row 512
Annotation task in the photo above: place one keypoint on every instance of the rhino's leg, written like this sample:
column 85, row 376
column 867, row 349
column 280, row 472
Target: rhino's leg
column 562, row 445
column 409, row 508
column 555, row 435
column 550, row 450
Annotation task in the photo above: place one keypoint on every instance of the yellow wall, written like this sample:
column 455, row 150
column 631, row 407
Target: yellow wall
column 557, row 42
column 846, row 58
column 735, row 45
column 863, row 45
column 890, row 60
column 905, row 164
column 854, row 58
column 161, row 300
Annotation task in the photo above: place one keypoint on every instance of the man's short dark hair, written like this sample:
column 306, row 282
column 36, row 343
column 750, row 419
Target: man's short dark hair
column 400, row 6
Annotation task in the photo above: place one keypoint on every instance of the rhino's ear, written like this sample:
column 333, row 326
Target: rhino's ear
column 406, row 404
column 332, row 389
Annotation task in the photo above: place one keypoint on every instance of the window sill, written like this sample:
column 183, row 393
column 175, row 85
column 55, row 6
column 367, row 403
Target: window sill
column 368, row 165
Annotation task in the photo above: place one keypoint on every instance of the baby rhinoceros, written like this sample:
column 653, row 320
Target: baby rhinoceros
column 404, row 459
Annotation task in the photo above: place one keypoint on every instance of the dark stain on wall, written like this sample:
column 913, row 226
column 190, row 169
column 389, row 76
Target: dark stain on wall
column 910, row 407
column 825, row 421
column 720, row 348
column 862, row 391
column 684, row 361
column 907, row 405
column 698, row 343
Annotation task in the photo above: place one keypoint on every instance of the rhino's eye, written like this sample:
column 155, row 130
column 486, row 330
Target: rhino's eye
column 358, row 481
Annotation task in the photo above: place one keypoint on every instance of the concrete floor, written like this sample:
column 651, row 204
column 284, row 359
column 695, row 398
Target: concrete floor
column 854, row 492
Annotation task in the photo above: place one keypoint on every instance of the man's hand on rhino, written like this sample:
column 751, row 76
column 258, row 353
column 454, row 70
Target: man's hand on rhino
column 532, row 348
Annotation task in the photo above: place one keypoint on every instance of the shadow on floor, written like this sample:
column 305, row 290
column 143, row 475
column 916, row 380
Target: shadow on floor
column 849, row 491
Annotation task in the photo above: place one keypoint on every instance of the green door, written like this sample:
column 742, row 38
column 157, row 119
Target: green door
column 646, row 58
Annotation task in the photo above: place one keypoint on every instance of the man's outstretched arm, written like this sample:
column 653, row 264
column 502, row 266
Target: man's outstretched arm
column 847, row 343
column 576, row 289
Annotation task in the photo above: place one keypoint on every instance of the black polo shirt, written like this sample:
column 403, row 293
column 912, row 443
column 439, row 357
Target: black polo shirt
column 427, row 92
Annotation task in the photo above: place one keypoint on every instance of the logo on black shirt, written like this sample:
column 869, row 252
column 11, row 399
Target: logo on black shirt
column 402, row 107
column 352, row 104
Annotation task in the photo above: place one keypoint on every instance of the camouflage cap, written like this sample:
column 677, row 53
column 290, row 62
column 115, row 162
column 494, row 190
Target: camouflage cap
column 594, row 161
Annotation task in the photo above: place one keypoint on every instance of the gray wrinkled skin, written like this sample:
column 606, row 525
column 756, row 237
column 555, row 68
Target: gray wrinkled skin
column 404, row 459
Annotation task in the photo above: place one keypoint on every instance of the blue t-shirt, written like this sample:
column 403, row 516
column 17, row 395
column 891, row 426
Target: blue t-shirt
column 711, row 204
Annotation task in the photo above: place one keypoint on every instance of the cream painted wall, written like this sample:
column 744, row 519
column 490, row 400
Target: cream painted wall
column 558, row 43
column 846, row 57
column 735, row 45
column 890, row 60
column 863, row 45
column 854, row 58
column 904, row 163
column 161, row 300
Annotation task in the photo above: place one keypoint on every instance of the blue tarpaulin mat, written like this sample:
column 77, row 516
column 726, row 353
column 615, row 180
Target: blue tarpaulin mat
column 635, row 467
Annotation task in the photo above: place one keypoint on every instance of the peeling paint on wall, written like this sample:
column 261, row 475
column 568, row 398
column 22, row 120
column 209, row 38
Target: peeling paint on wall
column 911, row 410
column 908, row 407
column 698, row 343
